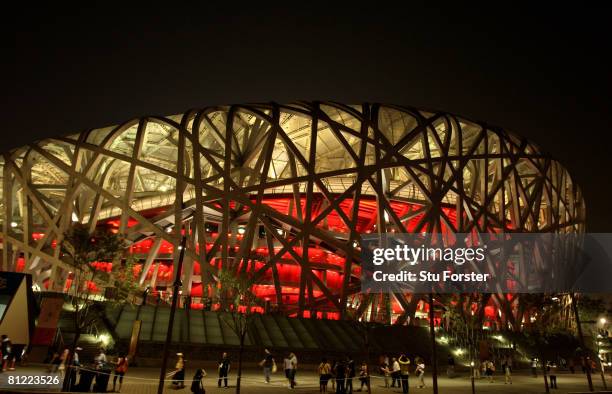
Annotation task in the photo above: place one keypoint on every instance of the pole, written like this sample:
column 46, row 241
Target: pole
column 601, row 364
column 175, row 293
column 581, row 338
column 603, row 375
column 472, row 370
column 432, row 334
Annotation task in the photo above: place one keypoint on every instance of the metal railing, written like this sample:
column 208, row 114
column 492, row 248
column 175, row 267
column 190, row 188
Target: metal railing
column 58, row 340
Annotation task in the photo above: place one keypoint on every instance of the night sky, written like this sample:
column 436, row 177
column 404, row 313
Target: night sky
column 542, row 73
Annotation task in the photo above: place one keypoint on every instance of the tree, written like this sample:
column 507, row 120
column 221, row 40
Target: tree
column 79, row 249
column 589, row 311
column 236, row 291
column 542, row 330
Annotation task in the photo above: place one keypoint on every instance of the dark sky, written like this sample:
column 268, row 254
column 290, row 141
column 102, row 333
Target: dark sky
column 542, row 73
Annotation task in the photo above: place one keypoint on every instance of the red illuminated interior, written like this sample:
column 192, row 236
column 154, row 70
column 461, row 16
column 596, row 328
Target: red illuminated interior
column 327, row 265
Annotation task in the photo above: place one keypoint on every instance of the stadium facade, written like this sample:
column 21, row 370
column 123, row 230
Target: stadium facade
column 280, row 193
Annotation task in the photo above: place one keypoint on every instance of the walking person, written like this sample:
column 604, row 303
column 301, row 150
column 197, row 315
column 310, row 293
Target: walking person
column 332, row 375
column 534, row 367
column 507, row 368
column 73, row 372
column 103, row 372
column 178, row 379
column 395, row 372
column 100, row 359
column 340, row 372
column 224, row 368
column 197, row 387
column 420, row 371
column 450, row 369
column 364, row 376
column 287, row 368
column 294, row 364
column 552, row 374
column 120, row 370
column 350, row 374
column 490, row 368
column 267, row 363
column 477, row 367
column 404, row 363
column 385, row 371
column 62, row 366
column 76, row 361
column 324, row 375
column 8, row 358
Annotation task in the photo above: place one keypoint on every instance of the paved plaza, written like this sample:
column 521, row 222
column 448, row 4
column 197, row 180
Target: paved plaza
column 144, row 381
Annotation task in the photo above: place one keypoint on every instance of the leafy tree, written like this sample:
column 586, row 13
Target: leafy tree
column 236, row 293
column 542, row 331
column 79, row 249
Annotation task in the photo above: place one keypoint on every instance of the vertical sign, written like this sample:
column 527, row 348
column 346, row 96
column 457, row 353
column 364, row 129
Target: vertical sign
column 134, row 338
column 50, row 311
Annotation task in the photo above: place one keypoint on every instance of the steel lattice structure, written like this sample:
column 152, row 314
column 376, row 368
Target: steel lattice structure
column 281, row 192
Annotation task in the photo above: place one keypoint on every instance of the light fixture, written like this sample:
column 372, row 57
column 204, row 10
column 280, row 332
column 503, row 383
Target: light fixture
column 241, row 230
column 163, row 188
column 14, row 224
column 104, row 338
column 603, row 320
column 168, row 229
column 280, row 231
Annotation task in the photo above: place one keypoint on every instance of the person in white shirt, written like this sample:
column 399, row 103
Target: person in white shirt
column 75, row 359
column 287, row 368
column 100, row 359
column 420, row 372
column 294, row 363
column 395, row 372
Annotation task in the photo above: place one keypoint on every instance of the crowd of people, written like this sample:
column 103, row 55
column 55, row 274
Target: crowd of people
column 69, row 365
column 343, row 374
column 398, row 369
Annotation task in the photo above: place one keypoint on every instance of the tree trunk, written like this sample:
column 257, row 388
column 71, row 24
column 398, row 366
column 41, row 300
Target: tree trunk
column 366, row 341
column 434, row 356
column 242, row 335
column 581, row 338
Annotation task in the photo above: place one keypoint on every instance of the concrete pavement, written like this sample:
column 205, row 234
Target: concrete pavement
column 144, row 381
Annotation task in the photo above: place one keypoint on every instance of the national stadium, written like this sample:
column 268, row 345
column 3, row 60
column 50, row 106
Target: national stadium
column 280, row 194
